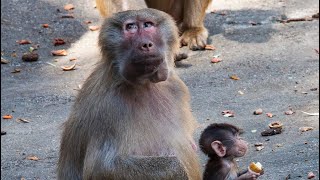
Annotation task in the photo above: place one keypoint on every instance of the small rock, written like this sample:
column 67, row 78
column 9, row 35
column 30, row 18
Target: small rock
column 258, row 111
column 259, row 148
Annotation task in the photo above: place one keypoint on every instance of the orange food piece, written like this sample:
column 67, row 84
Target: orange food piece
column 7, row 116
column 255, row 167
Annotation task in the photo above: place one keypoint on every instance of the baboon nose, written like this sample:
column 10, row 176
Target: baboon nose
column 146, row 46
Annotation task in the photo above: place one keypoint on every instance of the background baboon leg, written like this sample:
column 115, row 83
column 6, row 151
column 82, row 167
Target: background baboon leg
column 194, row 33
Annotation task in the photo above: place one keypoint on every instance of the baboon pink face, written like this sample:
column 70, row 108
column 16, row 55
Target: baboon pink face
column 146, row 56
column 141, row 46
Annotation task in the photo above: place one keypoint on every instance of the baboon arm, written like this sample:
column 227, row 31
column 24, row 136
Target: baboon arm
column 131, row 167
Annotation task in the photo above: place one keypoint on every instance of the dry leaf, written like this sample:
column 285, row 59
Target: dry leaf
column 87, row 22
column 234, row 77
column 228, row 113
column 14, row 54
column 4, row 61
column 215, row 60
column 21, row 42
column 241, row 93
column 259, row 148
column 258, row 111
column 304, row 129
column 22, row 120
column 69, row 7
column 16, row 70
column 279, row 145
column 311, row 175
column 289, row 112
column 253, row 23
column 270, row 115
column 30, row 57
column 67, row 16
column 94, row 28
column 60, row 52
column 7, row 116
column 310, row 114
column 275, row 125
column 69, row 68
column 45, row 25
column 209, row 47
column 33, row 158
column 58, row 41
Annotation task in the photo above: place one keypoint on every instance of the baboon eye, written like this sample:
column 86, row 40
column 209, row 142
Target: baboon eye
column 148, row 24
column 131, row 26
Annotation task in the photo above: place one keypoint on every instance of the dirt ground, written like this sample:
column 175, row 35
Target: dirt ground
column 276, row 62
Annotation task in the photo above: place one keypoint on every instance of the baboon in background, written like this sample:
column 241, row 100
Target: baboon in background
column 133, row 106
column 188, row 14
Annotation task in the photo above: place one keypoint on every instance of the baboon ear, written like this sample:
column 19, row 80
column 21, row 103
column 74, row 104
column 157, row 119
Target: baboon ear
column 219, row 148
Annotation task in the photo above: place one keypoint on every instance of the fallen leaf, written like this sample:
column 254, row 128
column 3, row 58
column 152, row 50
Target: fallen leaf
column 315, row 15
column 69, row 68
column 94, row 28
column 68, row 7
column 258, row 144
column 45, row 25
column 270, row 115
column 31, row 49
column 22, row 120
column 60, row 52
column 258, row 111
column 16, row 70
column 234, row 77
column 228, row 113
column 223, row 13
column 317, row 50
column 58, row 41
column 87, row 22
column 275, row 125
column 30, row 57
column 215, row 60
column 4, row 61
column 21, row 42
column 72, row 59
column 279, row 145
column 311, row 175
column 304, row 129
column 289, row 112
column 209, row 47
column 253, row 23
column 14, row 54
column 33, row 158
column 241, row 93
column 67, row 16
column 259, row 148
column 310, row 114
column 7, row 116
